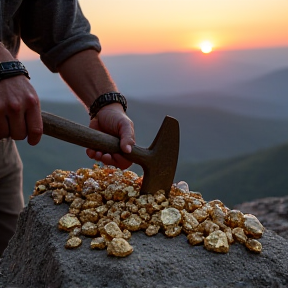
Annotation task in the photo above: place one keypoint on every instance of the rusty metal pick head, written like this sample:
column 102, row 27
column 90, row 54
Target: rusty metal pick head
column 159, row 161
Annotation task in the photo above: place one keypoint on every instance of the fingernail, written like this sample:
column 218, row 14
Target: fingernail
column 128, row 148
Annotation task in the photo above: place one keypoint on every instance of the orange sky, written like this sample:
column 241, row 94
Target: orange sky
column 149, row 26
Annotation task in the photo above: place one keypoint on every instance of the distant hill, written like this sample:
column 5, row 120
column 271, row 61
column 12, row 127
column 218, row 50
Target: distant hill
column 265, row 96
column 206, row 134
column 176, row 74
column 272, row 87
column 149, row 76
column 233, row 181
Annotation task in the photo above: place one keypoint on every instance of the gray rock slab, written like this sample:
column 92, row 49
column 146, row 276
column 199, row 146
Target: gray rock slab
column 271, row 211
column 36, row 258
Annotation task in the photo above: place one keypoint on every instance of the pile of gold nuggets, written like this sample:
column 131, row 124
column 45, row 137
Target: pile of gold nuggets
column 105, row 205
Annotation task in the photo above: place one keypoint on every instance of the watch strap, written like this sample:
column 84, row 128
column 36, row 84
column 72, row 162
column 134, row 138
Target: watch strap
column 106, row 99
column 11, row 69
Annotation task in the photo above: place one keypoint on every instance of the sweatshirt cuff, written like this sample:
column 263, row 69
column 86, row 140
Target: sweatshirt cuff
column 64, row 50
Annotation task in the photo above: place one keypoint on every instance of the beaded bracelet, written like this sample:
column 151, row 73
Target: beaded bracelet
column 106, row 99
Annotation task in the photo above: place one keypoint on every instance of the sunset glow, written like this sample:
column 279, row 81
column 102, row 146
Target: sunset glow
column 150, row 26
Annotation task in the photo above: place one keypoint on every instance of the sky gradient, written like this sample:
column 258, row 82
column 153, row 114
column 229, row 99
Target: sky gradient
column 149, row 26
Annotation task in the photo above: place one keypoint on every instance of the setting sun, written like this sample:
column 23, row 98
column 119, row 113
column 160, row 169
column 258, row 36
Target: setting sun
column 206, row 47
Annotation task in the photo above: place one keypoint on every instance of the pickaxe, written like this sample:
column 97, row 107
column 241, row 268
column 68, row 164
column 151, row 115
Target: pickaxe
column 159, row 161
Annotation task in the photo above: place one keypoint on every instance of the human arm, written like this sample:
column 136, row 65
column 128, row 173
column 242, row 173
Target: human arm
column 88, row 77
column 58, row 31
column 20, row 114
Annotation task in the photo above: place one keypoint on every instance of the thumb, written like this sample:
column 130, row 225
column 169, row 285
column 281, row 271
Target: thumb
column 127, row 136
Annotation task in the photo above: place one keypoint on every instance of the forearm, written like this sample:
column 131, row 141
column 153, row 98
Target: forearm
column 87, row 76
column 5, row 55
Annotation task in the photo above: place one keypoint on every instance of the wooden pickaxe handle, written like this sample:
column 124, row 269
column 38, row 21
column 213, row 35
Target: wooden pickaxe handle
column 159, row 161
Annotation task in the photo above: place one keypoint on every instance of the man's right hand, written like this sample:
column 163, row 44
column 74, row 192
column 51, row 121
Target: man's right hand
column 20, row 113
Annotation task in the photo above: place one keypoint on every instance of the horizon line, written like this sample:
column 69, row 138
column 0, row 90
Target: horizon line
column 175, row 52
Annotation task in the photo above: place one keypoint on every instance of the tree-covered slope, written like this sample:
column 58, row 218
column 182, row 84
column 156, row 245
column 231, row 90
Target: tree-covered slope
column 258, row 175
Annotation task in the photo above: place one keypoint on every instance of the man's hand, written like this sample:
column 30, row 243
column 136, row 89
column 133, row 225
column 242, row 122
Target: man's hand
column 20, row 114
column 112, row 120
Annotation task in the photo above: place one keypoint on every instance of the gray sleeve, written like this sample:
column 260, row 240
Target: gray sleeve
column 56, row 29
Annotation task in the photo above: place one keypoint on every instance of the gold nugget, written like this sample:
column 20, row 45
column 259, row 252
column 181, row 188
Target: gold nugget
column 106, row 201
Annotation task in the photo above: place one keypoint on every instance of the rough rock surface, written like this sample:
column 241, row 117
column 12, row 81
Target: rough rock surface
column 36, row 257
column 272, row 213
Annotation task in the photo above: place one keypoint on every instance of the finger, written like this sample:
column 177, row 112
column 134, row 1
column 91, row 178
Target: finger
column 17, row 125
column 127, row 137
column 107, row 159
column 97, row 155
column 4, row 127
column 116, row 160
column 94, row 124
column 34, row 124
column 90, row 153
column 121, row 162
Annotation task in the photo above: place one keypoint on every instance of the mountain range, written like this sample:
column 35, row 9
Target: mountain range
column 249, row 82
column 265, row 96
column 171, row 75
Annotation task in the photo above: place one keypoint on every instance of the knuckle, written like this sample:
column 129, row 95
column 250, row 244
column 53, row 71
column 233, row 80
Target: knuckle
column 127, row 139
column 15, row 107
column 131, row 125
column 132, row 141
column 32, row 100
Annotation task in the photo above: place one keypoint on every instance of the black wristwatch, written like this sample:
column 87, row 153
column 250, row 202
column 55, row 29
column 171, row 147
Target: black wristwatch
column 11, row 69
column 106, row 99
